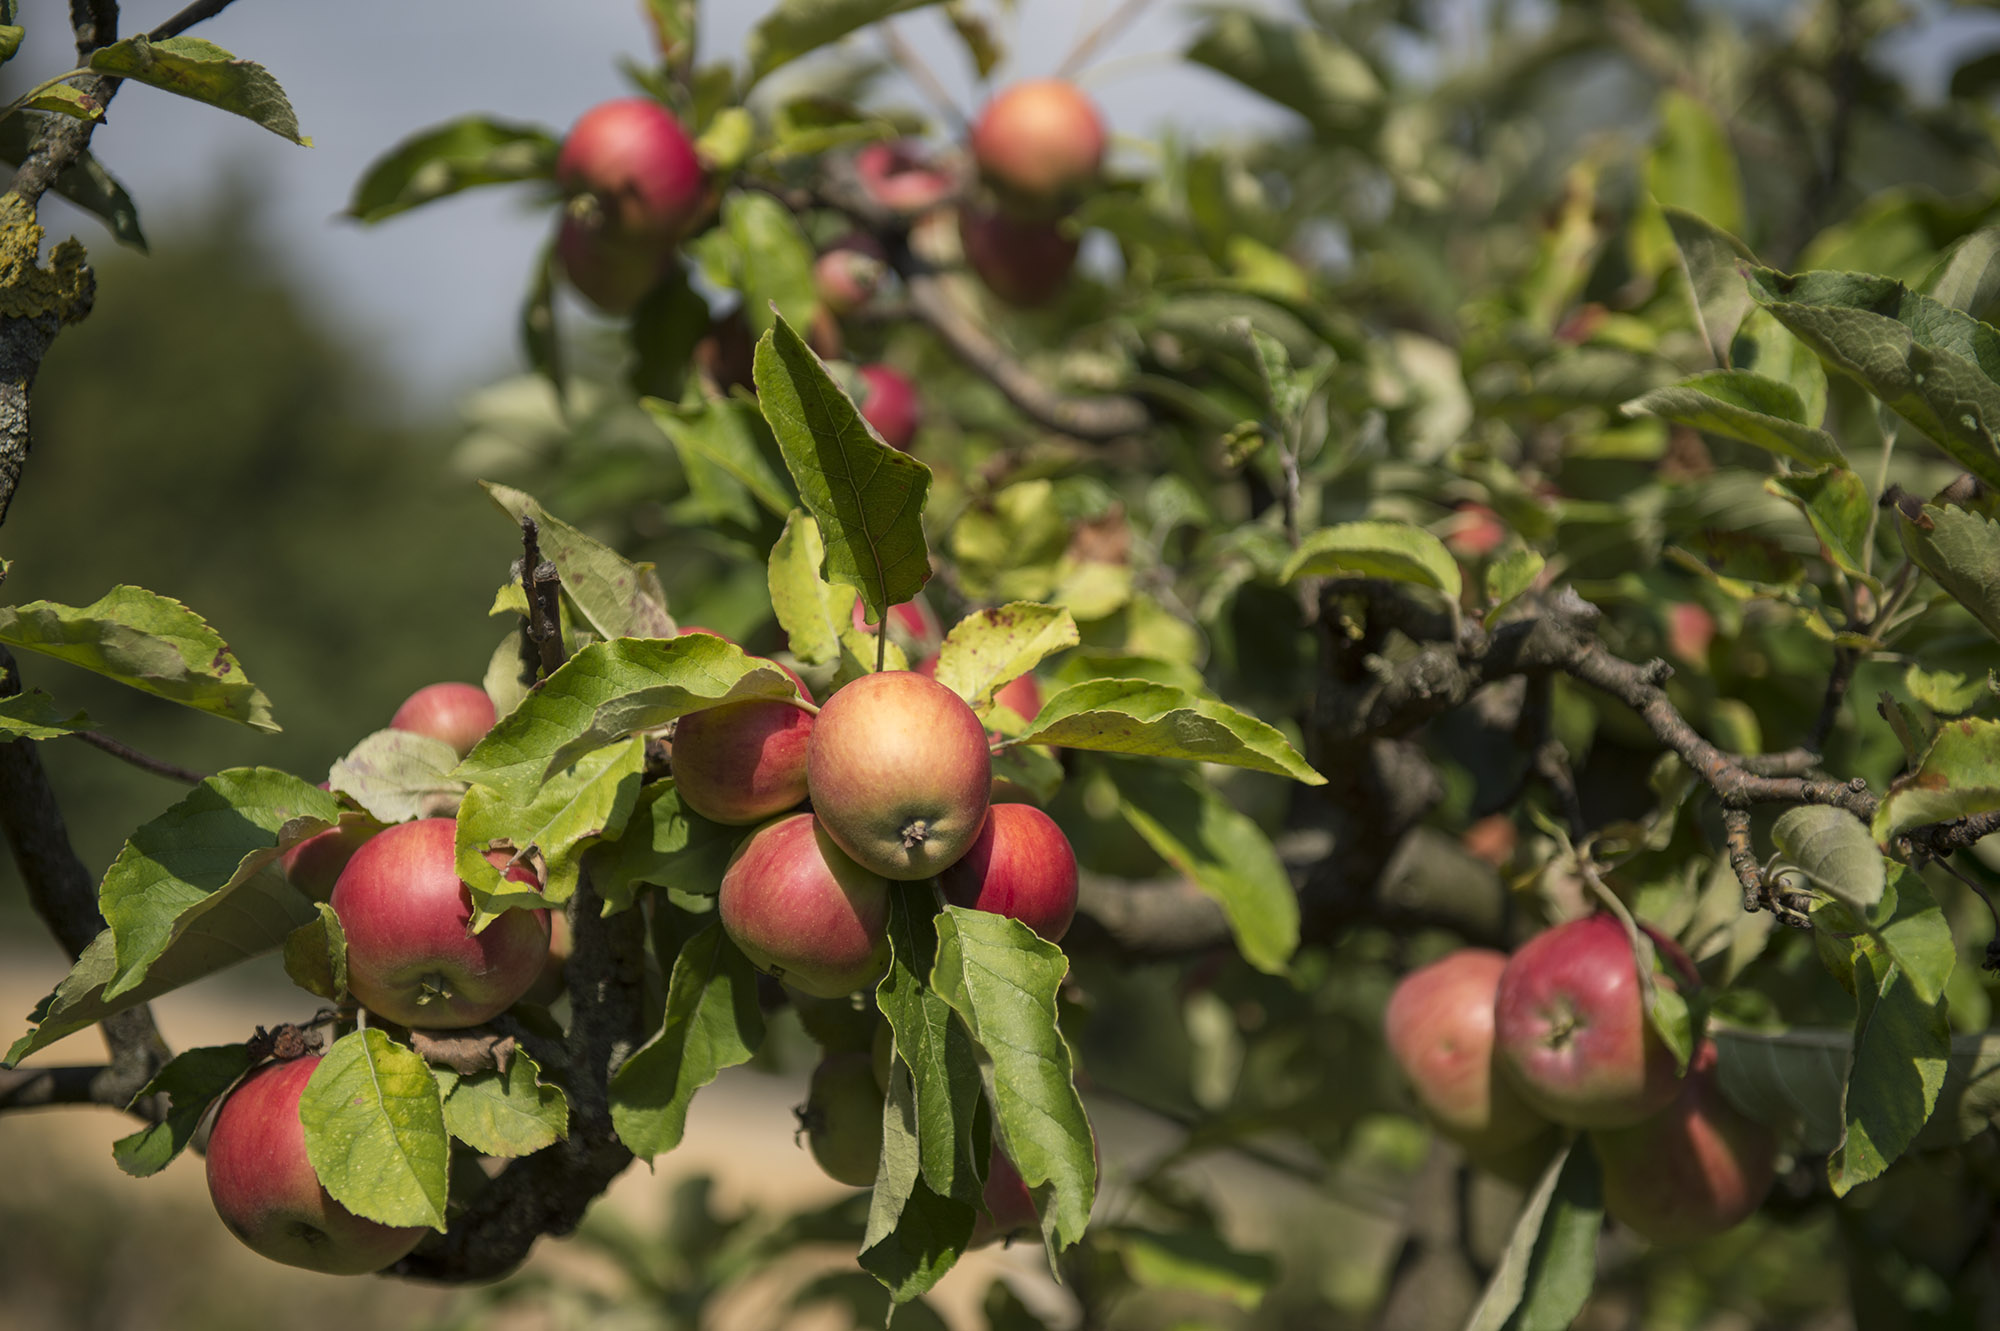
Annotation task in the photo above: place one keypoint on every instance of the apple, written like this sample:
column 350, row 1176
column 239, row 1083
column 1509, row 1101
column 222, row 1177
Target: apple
column 742, row 762
column 1491, row 839
column 1021, row 866
column 314, row 865
column 1439, row 1028
column 902, row 177
column 1690, row 629
column 913, row 620
column 726, row 353
column 803, row 911
column 553, row 980
column 267, row 1194
column 900, row 773
column 635, row 163
column 842, row 1118
column 1475, row 532
column 889, row 403
column 458, row 714
column 1010, row 1207
column 848, row 272
column 1693, row 1170
column 1039, row 140
column 613, row 274
column 1571, row 1030
column 411, row 956
column 1023, row 261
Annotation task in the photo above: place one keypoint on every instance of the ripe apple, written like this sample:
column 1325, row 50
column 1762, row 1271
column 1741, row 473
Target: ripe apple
column 637, row 165
column 1439, row 1027
column 1571, row 1029
column 314, row 865
column 899, row 773
column 742, row 762
column 802, row 910
column 1010, row 1207
column 1691, row 1171
column 1491, row 839
column 1039, row 140
column 890, row 405
column 265, row 1189
column 1690, row 629
column 1475, row 532
column 1023, row 261
column 849, row 272
column 458, row 714
column 1021, row 866
column 901, row 176
column 410, row 954
column 614, row 274
column 842, row 1118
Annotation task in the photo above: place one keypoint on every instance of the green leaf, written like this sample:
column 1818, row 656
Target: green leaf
column 867, row 498
column 1226, row 854
column 1931, row 364
column 536, row 327
column 814, row 614
column 201, row 70
column 725, row 433
column 194, row 858
column 375, row 1131
column 1304, row 69
column 1945, row 692
column 1691, row 168
column 608, row 692
column 1836, row 503
column 1713, row 261
column 1508, row 577
column 913, row 1236
column 757, row 248
column 316, row 955
column 976, row 34
column 712, row 1022
column 1550, row 1263
column 586, row 802
column 11, row 36
column 989, row 648
column 1003, row 980
column 85, row 183
column 1900, row 1049
column 506, row 1114
column 1192, row 1261
column 397, row 775
column 616, row 597
column 147, row 642
column 441, row 161
column 1741, row 404
column 192, row 1082
column 1833, row 849
column 62, row 99
column 1394, row 550
column 1791, row 1081
column 665, row 844
column 799, row 27
column 1959, row 776
column 943, row 1066
column 1150, row 720
column 1914, row 933
column 34, row 715
column 1960, row 549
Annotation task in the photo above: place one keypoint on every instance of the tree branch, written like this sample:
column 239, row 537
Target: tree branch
column 145, row 762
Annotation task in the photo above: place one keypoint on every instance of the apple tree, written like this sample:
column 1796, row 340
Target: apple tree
column 1449, row 650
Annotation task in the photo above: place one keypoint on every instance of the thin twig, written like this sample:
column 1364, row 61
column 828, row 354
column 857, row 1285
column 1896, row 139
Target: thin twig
column 145, row 762
column 927, row 82
column 1086, row 46
column 199, row 12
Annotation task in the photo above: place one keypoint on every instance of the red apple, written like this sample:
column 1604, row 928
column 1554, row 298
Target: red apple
column 458, row 714
column 1439, row 1027
column 1690, row 629
column 901, row 176
column 265, row 1189
column 410, row 954
column 742, row 762
column 1571, row 1030
column 613, row 274
column 1475, row 532
column 802, row 910
column 842, row 1118
column 1491, row 839
column 637, row 165
column 1697, row 1168
column 849, row 272
column 314, row 865
column 890, row 405
column 899, row 773
column 1021, row 866
column 1010, row 1207
column 1023, row 261
column 1039, row 140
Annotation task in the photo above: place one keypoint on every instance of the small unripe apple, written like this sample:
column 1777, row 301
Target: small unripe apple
column 742, row 762
column 458, row 714
column 799, row 908
column 900, row 773
column 901, row 176
column 1571, row 1029
column 1021, row 866
column 848, row 272
column 637, row 165
column 890, row 405
column 266, row 1192
column 1023, row 261
column 411, row 955
column 1693, row 1170
column 1041, row 139
column 1439, row 1027
column 842, row 1118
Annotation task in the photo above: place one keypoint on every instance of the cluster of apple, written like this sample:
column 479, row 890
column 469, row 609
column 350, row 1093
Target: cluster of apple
column 1501, row 1049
